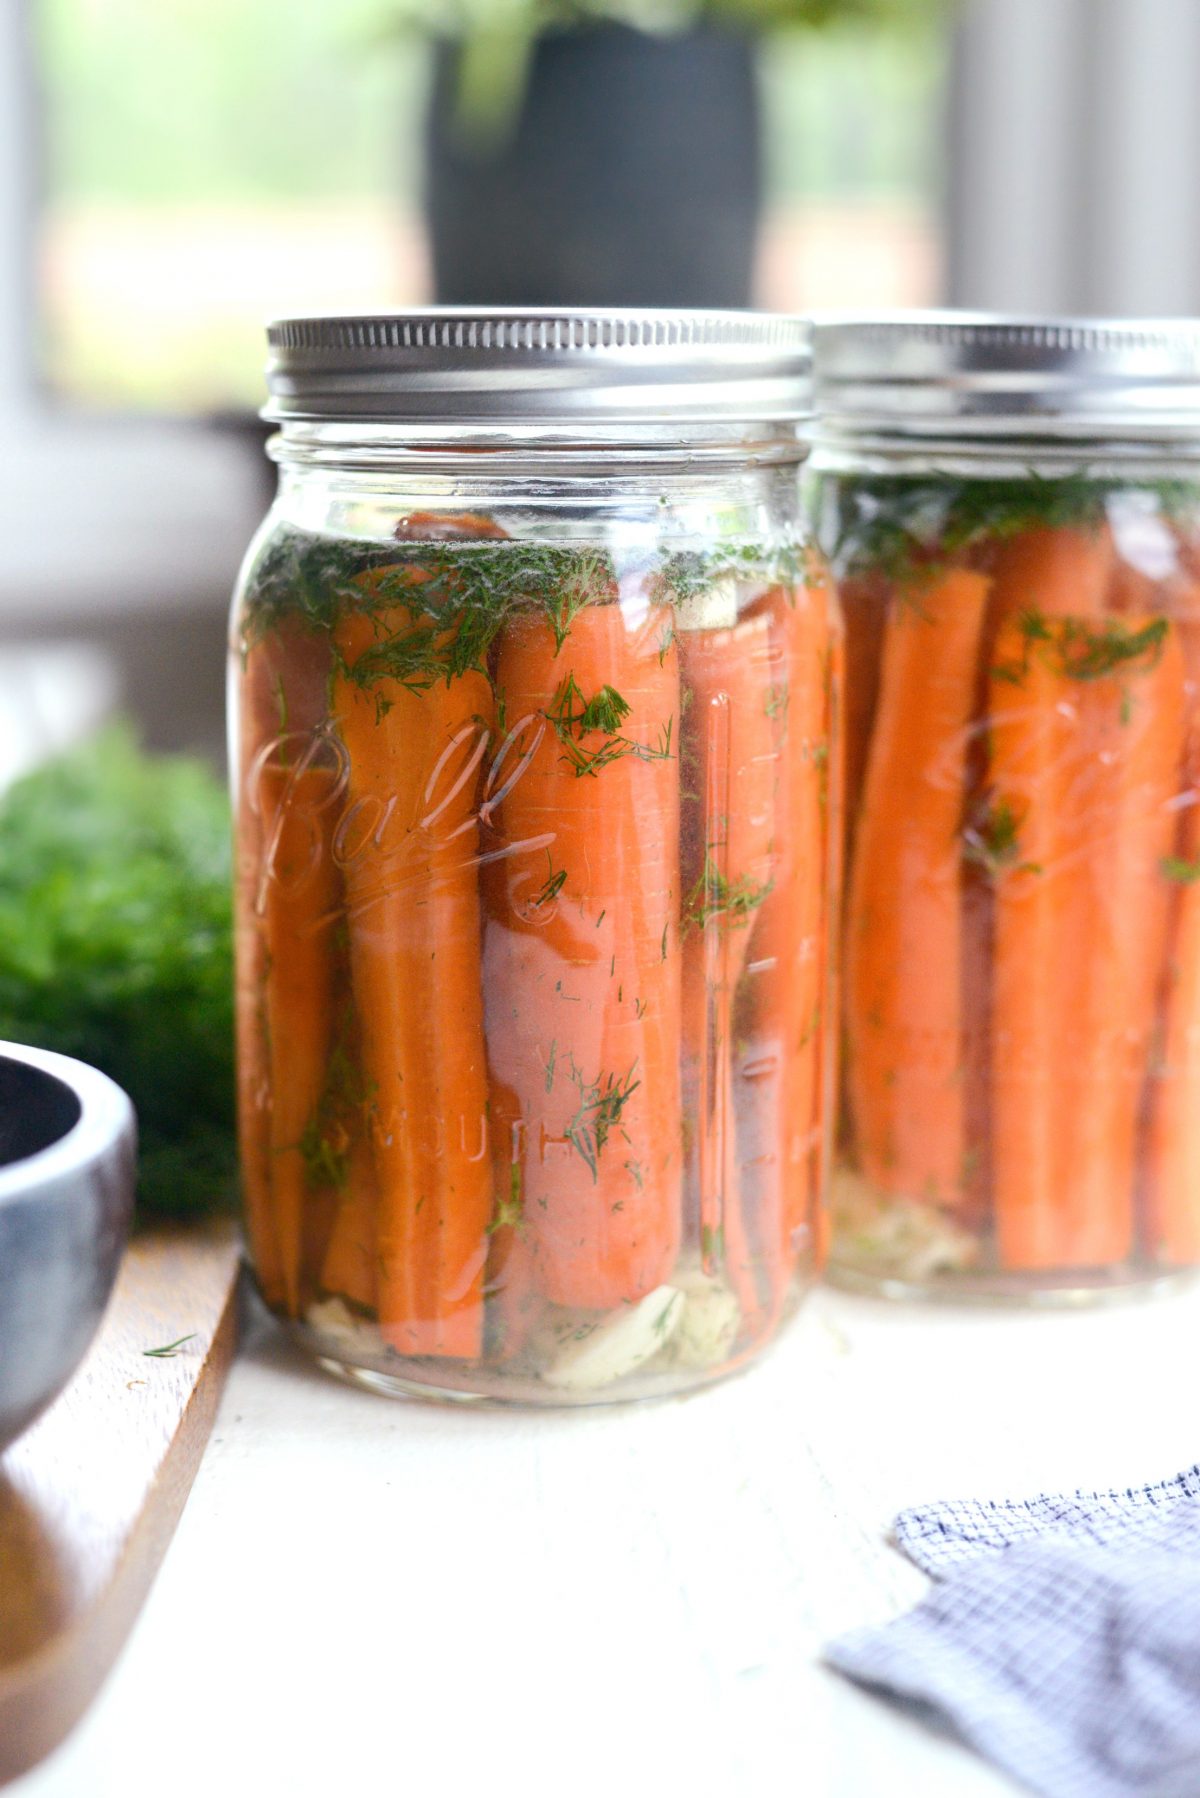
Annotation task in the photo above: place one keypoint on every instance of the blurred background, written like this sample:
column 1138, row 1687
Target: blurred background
column 174, row 171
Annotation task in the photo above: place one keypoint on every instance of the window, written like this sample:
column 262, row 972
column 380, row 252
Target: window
column 855, row 153
column 209, row 162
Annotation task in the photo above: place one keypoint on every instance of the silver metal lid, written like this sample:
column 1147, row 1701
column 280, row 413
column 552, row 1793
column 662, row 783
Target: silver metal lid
column 460, row 364
column 967, row 374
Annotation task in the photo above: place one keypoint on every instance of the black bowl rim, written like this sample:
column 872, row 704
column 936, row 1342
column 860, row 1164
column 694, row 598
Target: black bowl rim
column 105, row 1116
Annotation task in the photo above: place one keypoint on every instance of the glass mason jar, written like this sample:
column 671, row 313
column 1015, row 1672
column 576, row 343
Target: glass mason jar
column 1012, row 512
column 532, row 695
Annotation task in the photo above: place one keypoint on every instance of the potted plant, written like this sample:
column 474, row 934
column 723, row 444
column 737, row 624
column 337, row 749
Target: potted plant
column 601, row 152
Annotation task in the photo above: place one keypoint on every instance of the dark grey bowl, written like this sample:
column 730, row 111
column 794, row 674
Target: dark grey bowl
column 67, row 1177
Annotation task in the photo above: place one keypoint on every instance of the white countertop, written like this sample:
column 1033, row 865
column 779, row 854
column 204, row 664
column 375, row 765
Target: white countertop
column 386, row 1597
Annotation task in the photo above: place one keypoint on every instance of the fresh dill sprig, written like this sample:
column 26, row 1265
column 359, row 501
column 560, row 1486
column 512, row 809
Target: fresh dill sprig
column 992, row 842
column 169, row 1350
column 327, row 1137
column 440, row 604
column 573, row 717
column 907, row 526
column 1081, row 651
column 715, row 895
column 1089, row 654
column 510, row 1205
column 553, row 884
column 1179, row 869
column 712, row 1243
column 601, row 1103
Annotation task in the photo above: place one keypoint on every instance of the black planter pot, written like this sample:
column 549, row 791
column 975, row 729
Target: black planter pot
column 632, row 178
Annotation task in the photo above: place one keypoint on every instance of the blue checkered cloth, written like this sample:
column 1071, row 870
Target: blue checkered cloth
column 1061, row 1638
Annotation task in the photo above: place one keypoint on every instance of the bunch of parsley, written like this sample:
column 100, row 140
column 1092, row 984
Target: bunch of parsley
column 115, row 946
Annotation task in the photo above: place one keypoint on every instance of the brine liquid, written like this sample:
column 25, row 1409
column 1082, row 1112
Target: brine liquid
column 533, row 949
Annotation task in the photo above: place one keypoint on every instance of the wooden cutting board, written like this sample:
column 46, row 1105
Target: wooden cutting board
column 90, row 1496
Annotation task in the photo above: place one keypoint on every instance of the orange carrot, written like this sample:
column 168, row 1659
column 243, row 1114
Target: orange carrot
column 1173, row 1145
column 829, row 1039
column 300, row 897
column 288, row 890
column 1086, row 723
column 583, row 976
column 733, row 685
column 789, row 973
column 1059, row 571
column 1172, row 1187
column 350, row 1263
column 408, row 847
column 1141, row 733
column 866, row 601
column 903, row 952
column 1033, row 740
column 1035, row 757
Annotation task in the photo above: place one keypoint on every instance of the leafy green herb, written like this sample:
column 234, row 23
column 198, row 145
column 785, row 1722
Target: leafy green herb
column 574, row 716
column 440, row 604
column 684, row 575
column 169, row 1350
column 714, row 895
column 510, row 1207
column 712, row 1242
column 1177, row 868
column 993, row 843
column 606, row 712
column 552, row 886
column 115, row 946
column 601, row 1103
column 1084, row 652
column 901, row 526
column 776, row 702
column 455, row 594
column 1089, row 654
column 325, row 1143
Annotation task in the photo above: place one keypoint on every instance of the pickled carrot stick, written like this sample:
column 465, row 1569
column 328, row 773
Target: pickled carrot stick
column 1035, row 736
column 829, row 1039
column 447, row 527
column 1059, row 571
column 1172, row 1203
column 350, row 1263
column 287, row 890
column 1140, row 729
column 903, row 951
column 254, row 1096
column 730, row 760
column 301, row 891
column 1045, row 571
column 1087, row 734
column 866, row 599
column 262, row 710
column 582, row 977
column 789, row 972
column 408, row 845
column 1172, row 1180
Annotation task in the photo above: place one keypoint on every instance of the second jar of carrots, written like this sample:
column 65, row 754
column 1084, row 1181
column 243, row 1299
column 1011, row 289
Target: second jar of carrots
column 1012, row 511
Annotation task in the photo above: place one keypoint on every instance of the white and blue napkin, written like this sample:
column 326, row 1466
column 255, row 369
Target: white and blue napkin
column 1061, row 1638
